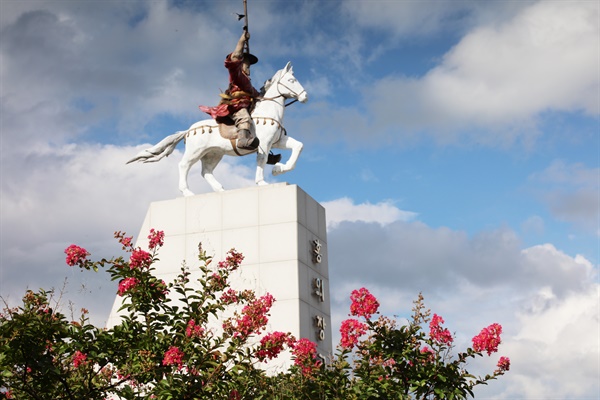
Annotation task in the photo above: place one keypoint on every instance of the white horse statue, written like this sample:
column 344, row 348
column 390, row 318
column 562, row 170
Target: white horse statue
column 203, row 141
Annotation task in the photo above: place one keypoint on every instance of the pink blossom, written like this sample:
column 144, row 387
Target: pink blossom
column 305, row 356
column 364, row 304
column 76, row 255
column 79, row 358
column 253, row 318
column 126, row 285
column 140, row 259
column 488, row 339
column 230, row 296
column 426, row 350
column 173, row 356
column 351, row 330
column 157, row 239
column 126, row 241
column 272, row 344
column 193, row 330
column 437, row 333
column 218, row 282
column 232, row 261
column 503, row 364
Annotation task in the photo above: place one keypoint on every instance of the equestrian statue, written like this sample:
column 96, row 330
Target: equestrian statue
column 245, row 121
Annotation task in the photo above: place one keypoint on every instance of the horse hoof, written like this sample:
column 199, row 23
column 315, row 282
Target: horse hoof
column 187, row 192
column 262, row 183
column 278, row 169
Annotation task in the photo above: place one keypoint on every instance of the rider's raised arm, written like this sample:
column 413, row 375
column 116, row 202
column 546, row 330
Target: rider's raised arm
column 238, row 53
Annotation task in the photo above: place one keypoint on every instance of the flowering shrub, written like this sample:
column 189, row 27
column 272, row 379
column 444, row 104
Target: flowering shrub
column 378, row 358
column 166, row 349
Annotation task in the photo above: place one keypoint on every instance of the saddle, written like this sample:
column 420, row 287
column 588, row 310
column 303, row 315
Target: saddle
column 227, row 128
column 228, row 131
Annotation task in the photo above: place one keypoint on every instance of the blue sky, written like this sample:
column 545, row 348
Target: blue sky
column 454, row 144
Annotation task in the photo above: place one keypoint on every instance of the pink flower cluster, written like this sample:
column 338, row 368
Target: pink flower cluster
column 351, row 330
column 232, row 261
column 193, row 330
column 429, row 353
column 79, row 359
column 488, row 339
column 364, row 304
column 126, row 241
column 437, row 333
column 305, row 356
column 503, row 364
column 218, row 282
column 139, row 259
column 76, row 255
column 272, row 344
column 126, row 285
column 173, row 356
column 157, row 239
column 253, row 319
column 229, row 296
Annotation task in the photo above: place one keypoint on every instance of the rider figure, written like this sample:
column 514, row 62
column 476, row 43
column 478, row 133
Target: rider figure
column 239, row 96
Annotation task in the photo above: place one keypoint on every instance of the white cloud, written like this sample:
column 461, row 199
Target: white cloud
column 344, row 209
column 412, row 18
column 401, row 18
column 545, row 299
column 559, row 339
column 571, row 193
column 501, row 77
column 64, row 59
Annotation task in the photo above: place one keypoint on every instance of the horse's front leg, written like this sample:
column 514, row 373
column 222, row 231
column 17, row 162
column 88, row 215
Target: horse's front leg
column 291, row 144
column 261, row 160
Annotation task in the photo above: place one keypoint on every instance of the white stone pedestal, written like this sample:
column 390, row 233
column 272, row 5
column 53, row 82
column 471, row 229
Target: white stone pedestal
column 281, row 232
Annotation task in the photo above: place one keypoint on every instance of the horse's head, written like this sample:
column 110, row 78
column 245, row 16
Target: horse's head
column 285, row 84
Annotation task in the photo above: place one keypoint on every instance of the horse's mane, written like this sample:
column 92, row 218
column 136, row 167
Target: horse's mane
column 269, row 82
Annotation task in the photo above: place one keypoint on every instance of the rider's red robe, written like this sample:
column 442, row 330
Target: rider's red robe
column 238, row 95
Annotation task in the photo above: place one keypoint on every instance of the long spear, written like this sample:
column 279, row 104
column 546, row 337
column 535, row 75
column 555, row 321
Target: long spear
column 247, row 45
column 246, row 26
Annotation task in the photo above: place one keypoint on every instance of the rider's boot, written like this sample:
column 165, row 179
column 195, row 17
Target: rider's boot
column 273, row 159
column 246, row 140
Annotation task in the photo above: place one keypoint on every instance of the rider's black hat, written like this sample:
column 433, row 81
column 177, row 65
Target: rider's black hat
column 252, row 59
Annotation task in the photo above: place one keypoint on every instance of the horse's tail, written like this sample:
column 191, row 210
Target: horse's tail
column 160, row 150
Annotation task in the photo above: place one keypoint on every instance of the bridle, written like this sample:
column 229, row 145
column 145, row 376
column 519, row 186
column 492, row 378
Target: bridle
column 279, row 94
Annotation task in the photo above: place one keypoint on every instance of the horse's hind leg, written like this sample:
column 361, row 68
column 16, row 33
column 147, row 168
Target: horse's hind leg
column 209, row 162
column 184, row 168
column 295, row 146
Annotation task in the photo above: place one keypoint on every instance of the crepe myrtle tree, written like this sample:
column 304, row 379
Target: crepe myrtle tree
column 166, row 346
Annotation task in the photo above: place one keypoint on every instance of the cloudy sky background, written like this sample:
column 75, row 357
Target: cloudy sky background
column 455, row 146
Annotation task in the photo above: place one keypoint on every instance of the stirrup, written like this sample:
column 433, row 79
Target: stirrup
column 273, row 159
